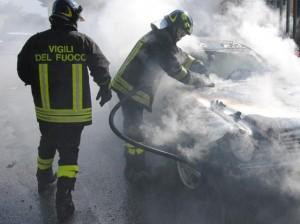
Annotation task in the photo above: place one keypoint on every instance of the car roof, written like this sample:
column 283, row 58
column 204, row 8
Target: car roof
column 227, row 46
column 222, row 45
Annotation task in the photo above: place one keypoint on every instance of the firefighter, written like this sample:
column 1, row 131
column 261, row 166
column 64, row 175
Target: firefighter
column 55, row 64
column 141, row 72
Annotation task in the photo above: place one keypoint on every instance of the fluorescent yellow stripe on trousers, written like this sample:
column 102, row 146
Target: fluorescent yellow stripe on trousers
column 69, row 171
column 132, row 150
column 44, row 164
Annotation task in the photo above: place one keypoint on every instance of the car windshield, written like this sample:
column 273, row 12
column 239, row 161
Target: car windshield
column 233, row 64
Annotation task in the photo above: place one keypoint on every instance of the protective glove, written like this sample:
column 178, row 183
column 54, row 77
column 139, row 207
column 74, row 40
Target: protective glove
column 200, row 81
column 104, row 93
column 217, row 104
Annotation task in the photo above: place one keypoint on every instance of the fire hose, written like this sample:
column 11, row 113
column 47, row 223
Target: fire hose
column 152, row 149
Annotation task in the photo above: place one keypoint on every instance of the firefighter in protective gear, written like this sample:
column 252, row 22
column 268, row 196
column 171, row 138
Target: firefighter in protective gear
column 55, row 64
column 141, row 71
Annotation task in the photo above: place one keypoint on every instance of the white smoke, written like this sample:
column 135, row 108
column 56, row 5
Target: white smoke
column 277, row 95
column 118, row 25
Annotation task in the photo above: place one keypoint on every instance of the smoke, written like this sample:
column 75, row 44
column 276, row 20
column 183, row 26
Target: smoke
column 277, row 96
column 117, row 26
column 16, row 25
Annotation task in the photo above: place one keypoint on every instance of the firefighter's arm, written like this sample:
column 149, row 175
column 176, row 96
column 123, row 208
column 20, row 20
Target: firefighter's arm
column 191, row 63
column 23, row 63
column 99, row 70
column 183, row 72
column 199, row 80
column 98, row 64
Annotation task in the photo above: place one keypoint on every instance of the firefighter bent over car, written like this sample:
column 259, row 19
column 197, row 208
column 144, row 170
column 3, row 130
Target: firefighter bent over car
column 55, row 64
column 141, row 72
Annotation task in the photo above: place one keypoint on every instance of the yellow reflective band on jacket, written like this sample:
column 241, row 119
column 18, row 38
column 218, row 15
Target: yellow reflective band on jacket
column 188, row 62
column 67, row 171
column 132, row 150
column 120, row 84
column 77, row 86
column 44, row 85
column 124, row 87
column 130, row 57
column 77, row 113
column 186, row 65
column 44, row 164
column 63, row 115
column 181, row 74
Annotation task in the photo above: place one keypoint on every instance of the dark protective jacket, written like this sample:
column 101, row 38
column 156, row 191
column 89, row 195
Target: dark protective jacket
column 55, row 63
column 142, row 69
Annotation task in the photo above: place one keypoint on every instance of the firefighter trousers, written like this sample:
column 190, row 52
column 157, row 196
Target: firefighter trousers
column 66, row 140
column 132, row 121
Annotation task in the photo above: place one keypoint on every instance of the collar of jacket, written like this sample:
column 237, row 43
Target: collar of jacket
column 165, row 37
column 58, row 24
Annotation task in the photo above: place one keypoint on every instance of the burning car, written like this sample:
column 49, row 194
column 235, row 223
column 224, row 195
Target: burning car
column 240, row 136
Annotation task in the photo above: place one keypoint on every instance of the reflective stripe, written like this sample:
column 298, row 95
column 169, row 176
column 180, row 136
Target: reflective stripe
column 44, row 164
column 142, row 98
column 130, row 57
column 184, row 68
column 139, row 151
column 75, row 115
column 63, row 112
column 44, row 85
column 124, row 87
column 60, row 119
column 77, row 86
column 119, row 84
column 132, row 150
column 188, row 62
column 173, row 19
column 64, row 116
column 181, row 74
column 67, row 171
column 122, row 84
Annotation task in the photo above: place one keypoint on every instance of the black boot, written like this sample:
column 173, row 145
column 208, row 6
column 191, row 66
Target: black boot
column 64, row 203
column 136, row 171
column 45, row 178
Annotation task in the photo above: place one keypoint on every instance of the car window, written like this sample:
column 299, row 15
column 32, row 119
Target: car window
column 233, row 64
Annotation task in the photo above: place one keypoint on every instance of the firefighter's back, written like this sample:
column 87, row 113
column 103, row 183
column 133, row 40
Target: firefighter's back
column 60, row 75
